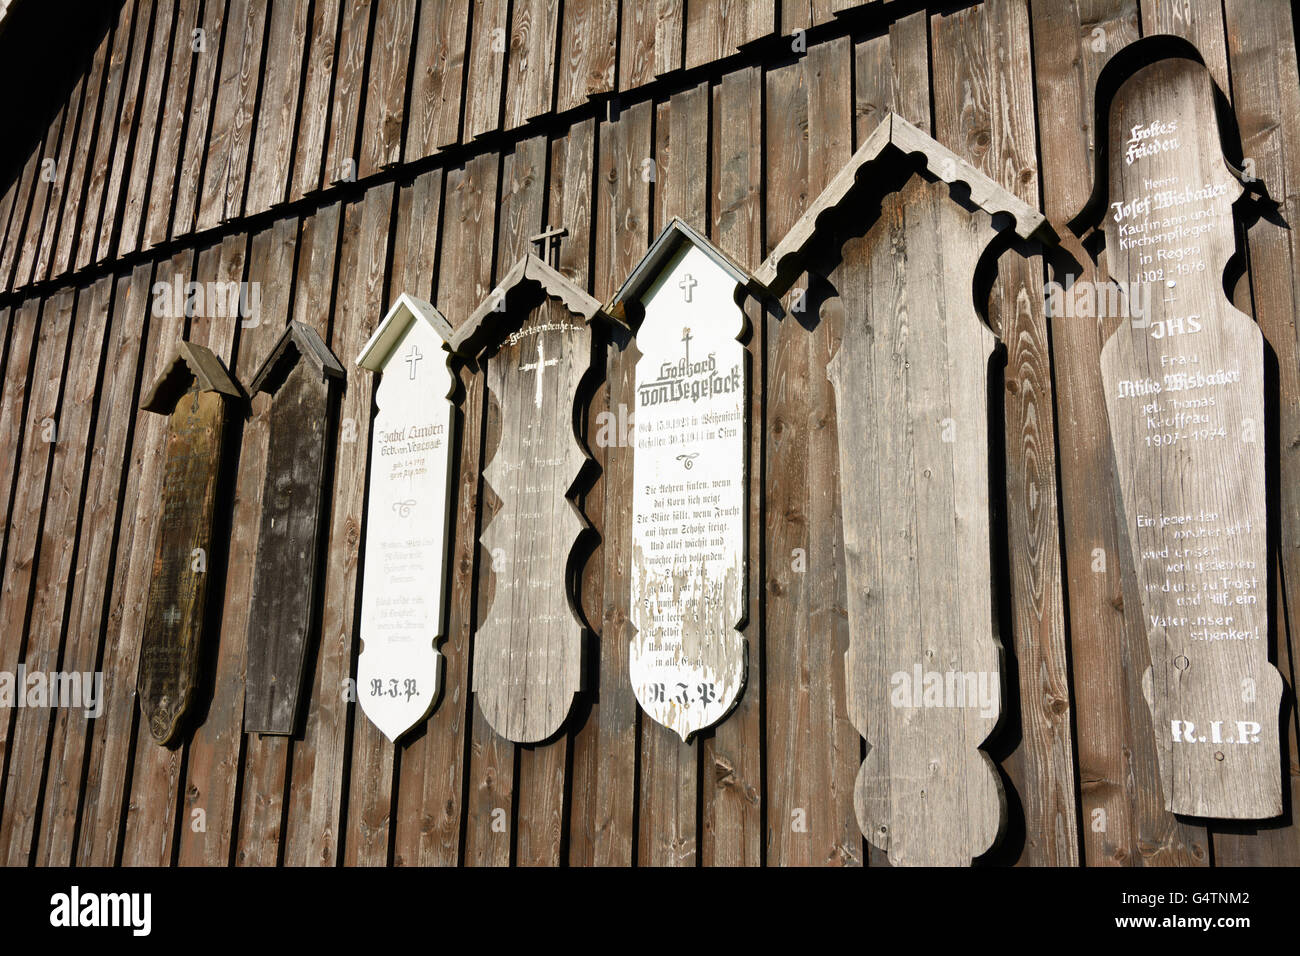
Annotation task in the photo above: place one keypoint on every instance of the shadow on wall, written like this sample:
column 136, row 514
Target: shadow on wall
column 45, row 47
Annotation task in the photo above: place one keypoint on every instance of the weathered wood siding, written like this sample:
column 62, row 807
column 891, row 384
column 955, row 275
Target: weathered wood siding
column 326, row 151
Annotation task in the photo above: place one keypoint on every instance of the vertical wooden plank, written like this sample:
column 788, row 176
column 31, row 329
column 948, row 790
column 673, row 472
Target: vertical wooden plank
column 217, row 744
column 20, row 358
column 72, row 121
column 36, row 461
column 361, row 295
column 79, row 167
column 22, row 204
column 350, row 67
column 488, row 40
column 277, row 116
column 603, row 829
column 1200, row 22
column 386, row 99
column 716, row 29
column 93, row 577
column 313, row 120
column 1125, row 821
column 157, row 788
column 437, row 77
column 813, row 750
column 530, row 69
column 114, row 83
column 312, row 803
column 171, row 126
column 1262, row 56
column 234, row 113
column 108, row 777
column 670, row 43
column 147, row 130
column 731, row 783
column 55, row 555
column 31, row 238
column 429, row 785
column 206, row 43
column 636, row 44
column 670, row 766
column 989, row 120
column 588, row 51
column 150, row 17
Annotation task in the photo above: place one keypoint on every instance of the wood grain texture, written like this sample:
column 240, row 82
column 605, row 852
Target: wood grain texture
column 390, row 57
column 488, row 42
column 206, row 43
column 101, row 521
column 30, row 240
column 62, row 178
column 999, row 142
column 313, row 117
column 43, row 651
column 530, row 67
column 350, row 64
column 437, row 77
column 163, row 185
column 271, row 172
column 588, row 52
column 1206, row 615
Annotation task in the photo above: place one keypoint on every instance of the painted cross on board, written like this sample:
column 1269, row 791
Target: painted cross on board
column 540, row 368
column 687, row 284
column 412, row 359
column 171, row 616
column 686, row 341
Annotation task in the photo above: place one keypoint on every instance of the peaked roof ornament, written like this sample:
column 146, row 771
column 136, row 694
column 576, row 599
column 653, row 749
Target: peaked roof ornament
column 661, row 251
column 407, row 309
column 469, row 339
column 191, row 363
column 899, row 136
column 305, row 341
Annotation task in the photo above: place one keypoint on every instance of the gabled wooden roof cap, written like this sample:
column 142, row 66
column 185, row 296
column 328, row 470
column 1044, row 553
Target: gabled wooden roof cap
column 303, row 341
column 405, row 310
column 660, row 252
column 191, row 362
column 900, row 135
column 471, row 338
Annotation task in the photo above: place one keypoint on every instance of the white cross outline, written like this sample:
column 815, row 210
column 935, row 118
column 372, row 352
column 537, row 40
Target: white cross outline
column 540, row 368
column 687, row 284
column 412, row 358
column 171, row 616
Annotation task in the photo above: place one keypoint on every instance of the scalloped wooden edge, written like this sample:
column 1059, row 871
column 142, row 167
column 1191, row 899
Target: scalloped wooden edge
column 896, row 132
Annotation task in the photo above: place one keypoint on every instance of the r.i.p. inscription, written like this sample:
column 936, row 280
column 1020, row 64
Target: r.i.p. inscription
column 1184, row 383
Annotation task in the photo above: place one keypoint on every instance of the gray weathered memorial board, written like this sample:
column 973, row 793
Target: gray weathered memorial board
column 687, row 661
column 532, row 337
column 300, row 374
column 912, row 380
column 194, row 393
column 404, row 588
column 1184, row 384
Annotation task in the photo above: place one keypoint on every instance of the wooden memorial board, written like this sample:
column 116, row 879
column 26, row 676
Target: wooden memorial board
column 892, row 251
column 300, row 374
column 194, row 393
column 689, row 516
column 408, row 526
column 533, row 338
column 1184, row 384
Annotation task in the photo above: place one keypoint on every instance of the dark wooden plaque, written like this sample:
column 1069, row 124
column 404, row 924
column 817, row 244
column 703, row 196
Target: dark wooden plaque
column 300, row 374
column 1184, row 381
column 528, row 650
column 912, row 377
column 193, row 393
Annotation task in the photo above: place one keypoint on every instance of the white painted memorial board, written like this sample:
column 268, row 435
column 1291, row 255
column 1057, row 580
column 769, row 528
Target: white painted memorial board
column 407, row 516
column 689, row 505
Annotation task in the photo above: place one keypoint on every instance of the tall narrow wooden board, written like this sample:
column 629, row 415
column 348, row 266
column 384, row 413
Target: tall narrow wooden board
column 174, row 616
column 911, row 381
column 1184, row 387
column 688, row 581
column 407, row 518
column 301, row 374
column 528, row 651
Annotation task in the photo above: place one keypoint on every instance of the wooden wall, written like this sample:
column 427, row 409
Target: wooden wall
column 325, row 150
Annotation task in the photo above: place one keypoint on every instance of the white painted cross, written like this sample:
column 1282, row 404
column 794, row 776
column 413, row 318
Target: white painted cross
column 540, row 368
column 687, row 284
column 412, row 358
column 171, row 616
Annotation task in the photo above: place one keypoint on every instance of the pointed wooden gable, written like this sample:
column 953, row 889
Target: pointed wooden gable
column 687, row 659
column 301, row 374
column 194, row 392
column 408, row 522
column 533, row 339
column 891, row 249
